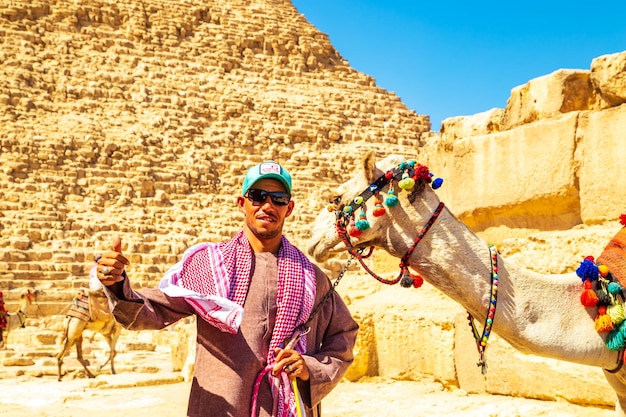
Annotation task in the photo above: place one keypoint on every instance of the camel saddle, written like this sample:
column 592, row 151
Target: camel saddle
column 90, row 305
column 614, row 256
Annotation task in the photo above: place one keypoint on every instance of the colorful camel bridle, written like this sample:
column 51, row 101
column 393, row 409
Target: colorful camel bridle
column 408, row 175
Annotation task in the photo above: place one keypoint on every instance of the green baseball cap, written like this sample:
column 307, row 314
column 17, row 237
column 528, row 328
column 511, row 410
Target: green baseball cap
column 267, row 169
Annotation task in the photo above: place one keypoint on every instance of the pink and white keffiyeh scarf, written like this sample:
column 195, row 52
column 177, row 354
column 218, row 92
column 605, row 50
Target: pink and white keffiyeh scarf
column 214, row 279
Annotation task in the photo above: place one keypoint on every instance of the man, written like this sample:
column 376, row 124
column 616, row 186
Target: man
column 272, row 337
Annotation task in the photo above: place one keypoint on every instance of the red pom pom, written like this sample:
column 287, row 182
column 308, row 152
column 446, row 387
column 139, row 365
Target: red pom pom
column 354, row 232
column 379, row 211
column 589, row 258
column 588, row 298
column 622, row 219
column 417, row 281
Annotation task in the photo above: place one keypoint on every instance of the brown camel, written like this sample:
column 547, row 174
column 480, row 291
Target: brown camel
column 430, row 240
column 89, row 311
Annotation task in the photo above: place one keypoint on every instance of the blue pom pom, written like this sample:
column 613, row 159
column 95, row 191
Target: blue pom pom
column 587, row 270
column 391, row 201
column 437, row 183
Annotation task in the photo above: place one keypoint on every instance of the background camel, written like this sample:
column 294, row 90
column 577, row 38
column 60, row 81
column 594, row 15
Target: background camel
column 17, row 319
column 89, row 311
column 536, row 313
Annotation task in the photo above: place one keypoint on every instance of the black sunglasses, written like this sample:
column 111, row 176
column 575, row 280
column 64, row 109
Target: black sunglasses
column 258, row 197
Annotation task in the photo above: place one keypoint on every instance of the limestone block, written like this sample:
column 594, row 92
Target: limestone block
column 548, row 96
column 455, row 128
column 601, row 154
column 608, row 75
column 524, row 177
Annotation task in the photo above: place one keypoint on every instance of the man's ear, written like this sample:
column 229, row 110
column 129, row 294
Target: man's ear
column 241, row 200
column 290, row 207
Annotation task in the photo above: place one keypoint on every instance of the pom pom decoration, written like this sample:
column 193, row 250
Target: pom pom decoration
column 615, row 312
column 603, row 322
column 603, row 270
column 614, row 288
column 587, row 270
column 437, row 183
column 379, row 210
column 407, row 280
column 392, row 199
column 622, row 219
column 352, row 229
column 603, row 297
column 331, row 207
column 362, row 223
column 422, row 173
column 615, row 340
column 417, row 281
column 358, row 200
column 588, row 298
column 406, row 183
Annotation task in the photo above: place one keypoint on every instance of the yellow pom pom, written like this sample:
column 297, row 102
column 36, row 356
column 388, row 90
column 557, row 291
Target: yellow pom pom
column 603, row 269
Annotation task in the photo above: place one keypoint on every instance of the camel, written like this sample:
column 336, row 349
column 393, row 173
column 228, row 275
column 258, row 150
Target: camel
column 454, row 260
column 89, row 311
column 17, row 319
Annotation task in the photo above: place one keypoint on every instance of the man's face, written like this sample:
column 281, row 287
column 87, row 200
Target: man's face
column 265, row 220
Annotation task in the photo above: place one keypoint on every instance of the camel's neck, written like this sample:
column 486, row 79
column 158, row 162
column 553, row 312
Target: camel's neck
column 535, row 313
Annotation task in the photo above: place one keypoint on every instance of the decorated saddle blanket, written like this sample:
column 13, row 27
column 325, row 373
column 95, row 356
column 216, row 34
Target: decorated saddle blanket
column 614, row 256
column 89, row 305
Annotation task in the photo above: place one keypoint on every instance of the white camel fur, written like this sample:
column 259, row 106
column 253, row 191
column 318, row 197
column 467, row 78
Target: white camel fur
column 73, row 328
column 536, row 313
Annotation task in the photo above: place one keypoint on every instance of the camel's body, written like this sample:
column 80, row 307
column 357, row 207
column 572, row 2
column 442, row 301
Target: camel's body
column 17, row 319
column 101, row 321
column 536, row 313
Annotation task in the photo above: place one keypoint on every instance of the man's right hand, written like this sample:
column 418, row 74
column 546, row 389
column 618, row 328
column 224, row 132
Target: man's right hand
column 112, row 264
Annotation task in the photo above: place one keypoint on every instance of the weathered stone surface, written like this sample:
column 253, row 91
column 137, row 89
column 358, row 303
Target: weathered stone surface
column 608, row 75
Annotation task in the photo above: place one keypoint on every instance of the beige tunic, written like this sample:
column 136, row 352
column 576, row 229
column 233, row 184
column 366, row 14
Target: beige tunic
column 226, row 365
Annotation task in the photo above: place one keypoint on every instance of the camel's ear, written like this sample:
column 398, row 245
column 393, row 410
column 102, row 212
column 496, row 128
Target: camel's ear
column 369, row 166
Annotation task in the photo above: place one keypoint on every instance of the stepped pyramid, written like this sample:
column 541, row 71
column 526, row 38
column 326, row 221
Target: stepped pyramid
column 139, row 120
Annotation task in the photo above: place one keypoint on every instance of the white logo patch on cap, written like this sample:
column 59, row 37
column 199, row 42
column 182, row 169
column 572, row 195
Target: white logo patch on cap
column 269, row 168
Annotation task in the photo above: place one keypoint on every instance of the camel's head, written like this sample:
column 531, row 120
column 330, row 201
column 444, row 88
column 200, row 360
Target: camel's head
column 362, row 207
column 29, row 295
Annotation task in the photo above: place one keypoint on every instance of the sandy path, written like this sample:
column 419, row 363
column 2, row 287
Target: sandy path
column 138, row 396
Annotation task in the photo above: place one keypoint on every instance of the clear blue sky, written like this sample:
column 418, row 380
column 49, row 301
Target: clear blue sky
column 457, row 58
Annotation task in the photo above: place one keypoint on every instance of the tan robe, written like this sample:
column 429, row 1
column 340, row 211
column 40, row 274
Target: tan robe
column 226, row 365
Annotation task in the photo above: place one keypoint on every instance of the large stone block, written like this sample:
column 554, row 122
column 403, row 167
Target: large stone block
column 522, row 178
column 601, row 155
column 608, row 75
column 549, row 96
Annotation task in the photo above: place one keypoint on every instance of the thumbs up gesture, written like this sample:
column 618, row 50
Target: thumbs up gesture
column 112, row 264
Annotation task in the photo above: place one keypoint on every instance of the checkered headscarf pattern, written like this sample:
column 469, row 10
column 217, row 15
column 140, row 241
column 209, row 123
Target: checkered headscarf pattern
column 224, row 270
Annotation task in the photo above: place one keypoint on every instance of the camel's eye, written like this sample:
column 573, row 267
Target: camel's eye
column 335, row 204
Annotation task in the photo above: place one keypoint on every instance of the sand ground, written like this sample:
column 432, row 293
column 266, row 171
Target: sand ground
column 165, row 395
